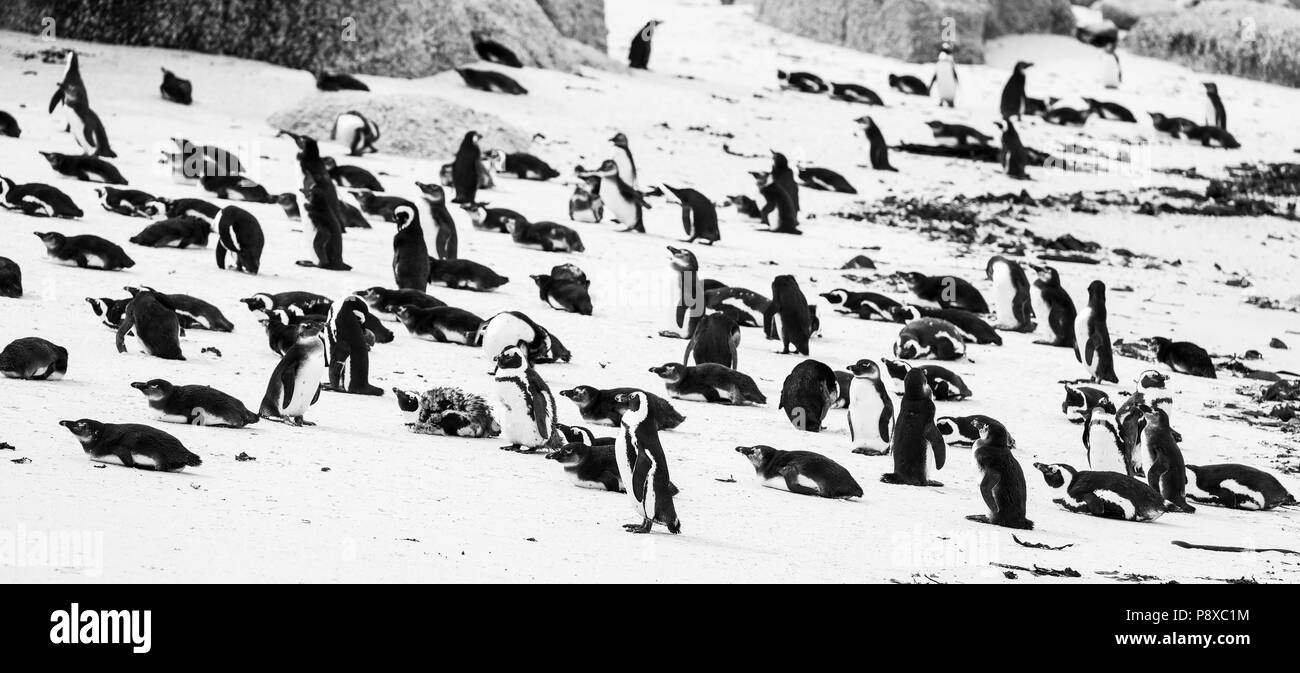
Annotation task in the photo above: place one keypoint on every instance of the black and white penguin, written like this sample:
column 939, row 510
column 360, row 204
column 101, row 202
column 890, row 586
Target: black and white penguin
column 356, row 132
column 526, row 403
column 638, row 53
column 586, row 205
column 1082, row 400
column 589, row 466
column 298, row 302
column 176, row 89
column 1013, row 94
column 86, row 251
column 802, row 81
column 463, row 274
column 131, row 445
column 563, row 294
column 946, row 291
column 129, row 202
column 195, row 405
column 194, row 313
column 155, row 323
column 1062, row 115
column 775, row 198
column 1092, row 338
column 545, row 236
column 1213, row 136
column 709, row 382
column 1237, row 487
column 178, row 232
column 1183, row 357
column 191, row 161
column 410, row 252
column 33, row 359
column 1173, row 126
column 510, row 328
column 642, row 466
column 383, row 300
column 784, row 176
column 491, row 219
column 956, row 135
column 11, row 279
column 1105, row 494
column 597, row 406
column 973, row 329
column 1103, row 445
column 1215, row 114
column 917, row 443
column 239, row 233
column 447, row 411
column 1002, row 482
column 624, row 160
column 1112, row 73
column 494, row 52
column 347, row 348
column 909, row 84
column 326, row 81
column 352, row 177
column 295, row 382
column 871, row 410
column 1165, row 469
column 236, row 188
column 37, row 200
column 699, row 216
column 788, row 314
column 443, row 324
column 525, row 166
column 1011, row 294
column 930, row 339
column 801, row 472
column 1110, row 111
column 1054, row 311
column 84, row 167
column 578, row 434
column 965, row 430
column 855, row 93
column 491, row 81
column 445, row 241
column 865, row 305
column 626, row 204
column 691, row 296
column 82, row 122
column 321, row 205
column 1012, row 154
column 944, row 82
column 945, row 384
column 716, row 340
column 825, row 179
column 190, row 208
column 808, row 393
column 9, row 126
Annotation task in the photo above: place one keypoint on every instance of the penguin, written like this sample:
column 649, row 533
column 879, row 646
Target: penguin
column 131, row 445
column 9, row 126
column 638, row 54
column 176, row 89
column 1110, row 111
column 82, row 122
column 1066, row 116
column 917, row 443
column 190, row 208
column 11, row 279
column 1173, row 126
column 1002, row 482
column 156, row 326
column 326, row 81
column 1112, row 74
column 1103, row 445
column 1183, row 357
column 784, row 177
column 129, row 202
column 1237, row 487
column 191, row 162
column 965, row 430
column 491, row 81
column 716, row 340
column 1011, row 295
column 378, row 206
column 943, row 84
column 1165, row 470
column 445, row 240
column 239, row 233
column 195, row 405
column 1213, row 136
column 802, row 81
column 1092, row 338
column 1104, row 494
column 447, row 411
column 871, row 410
column 410, row 253
column 691, row 297
column 808, row 393
column 945, row 384
column 194, row 313
column 624, row 160
column 1215, row 114
column 526, row 403
column 709, row 382
column 388, row 301
column 491, row 219
column 236, row 188
column 578, row 434
column 86, row 251
column 465, row 168
column 1080, row 401
column 545, row 236
column 909, row 84
column 87, row 168
column 625, row 202
column 642, row 466
column 443, row 324
column 751, row 306
column 929, row 339
column 356, row 132
column 564, row 295
column 301, row 303
column 776, row 198
column 745, row 206
column 801, row 472
column 352, row 177
column 790, row 305
column 855, row 93
column 33, row 359
column 296, row 381
column 495, row 52
column 589, row 466
column 1012, row 154
column 1013, row 94
column 878, row 151
column 866, row 305
column 585, row 205
column 826, row 180
column 282, row 330
column 463, row 274
column 597, row 406
column 1054, row 311
column 525, row 166
column 37, row 200
column 957, row 135
column 699, row 217
column 971, row 327
column 509, row 328
column 179, row 232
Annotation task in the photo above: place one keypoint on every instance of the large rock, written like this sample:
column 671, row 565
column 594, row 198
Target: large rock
column 821, row 20
column 1248, row 39
column 410, row 125
column 403, row 38
column 582, row 20
column 1011, row 17
column 1126, row 13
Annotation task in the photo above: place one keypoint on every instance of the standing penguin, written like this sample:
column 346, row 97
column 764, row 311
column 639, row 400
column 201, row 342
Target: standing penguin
column 527, row 405
column 1053, row 309
column 410, row 252
column 808, row 394
column 1012, row 154
column 464, row 170
column 239, row 232
column 690, row 293
column 625, row 202
column 1166, row 470
column 347, row 353
column 176, row 89
column 784, row 177
column 295, row 381
column 879, row 149
column 1013, row 94
column 1215, row 114
column 642, row 466
column 324, row 214
column 1092, row 338
column 871, row 410
column 1010, row 294
column 624, row 159
column 445, row 240
column 1112, row 75
column 790, row 306
column 915, row 436
column 82, row 122
column 156, row 326
column 699, row 216
column 944, row 83
column 638, row 55
column 1002, row 481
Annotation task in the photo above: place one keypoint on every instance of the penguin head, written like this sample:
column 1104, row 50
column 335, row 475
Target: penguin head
column 155, row 389
column 471, row 139
column 619, row 140
column 433, row 192
column 1047, row 274
column 990, row 433
column 1096, row 291
column 946, row 425
column 761, row 178
column 904, row 313
column 1056, row 474
column 54, row 158
column 85, row 429
column 5, row 185
column 757, row 454
column 630, row 402
column 405, row 215
column 511, row 360
column 1021, row 66
column 52, row 239
column 309, row 331
column 407, row 402
column 608, row 168
column 581, row 395
column 835, row 296
column 683, row 259
column 779, row 161
column 865, row 369
column 541, row 279
column 568, row 454
column 916, row 386
column 259, row 302
column 671, row 371
column 554, row 350
column 1151, row 379
column 1211, row 87
column 897, row 368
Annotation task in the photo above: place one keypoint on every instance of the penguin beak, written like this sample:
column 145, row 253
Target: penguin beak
column 139, row 385
column 67, row 424
column 566, row 393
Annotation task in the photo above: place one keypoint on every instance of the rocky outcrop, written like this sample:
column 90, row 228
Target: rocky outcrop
column 1247, row 39
column 582, row 20
column 1012, row 17
column 1126, row 13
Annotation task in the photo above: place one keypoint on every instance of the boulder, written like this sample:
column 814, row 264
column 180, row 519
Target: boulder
column 1247, row 39
column 1011, row 17
column 913, row 30
column 582, row 20
column 1126, row 13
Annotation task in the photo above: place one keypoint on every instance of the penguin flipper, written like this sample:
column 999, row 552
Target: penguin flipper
column 886, row 415
column 287, row 381
column 935, row 439
column 987, row 486
column 56, row 98
column 853, row 435
column 541, row 413
column 641, row 475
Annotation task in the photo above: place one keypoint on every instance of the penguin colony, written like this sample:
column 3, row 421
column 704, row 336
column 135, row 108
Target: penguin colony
column 1131, row 464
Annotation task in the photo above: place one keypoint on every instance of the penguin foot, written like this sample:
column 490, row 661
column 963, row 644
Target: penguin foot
column 670, row 334
column 980, row 518
column 638, row 528
column 930, row 482
column 1180, row 507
